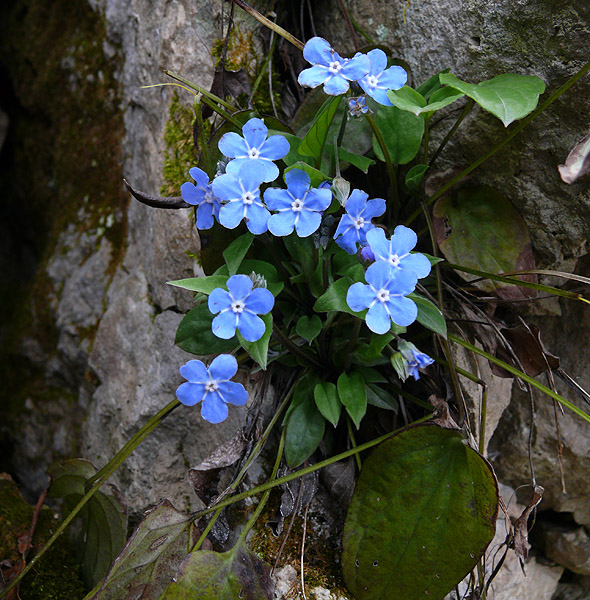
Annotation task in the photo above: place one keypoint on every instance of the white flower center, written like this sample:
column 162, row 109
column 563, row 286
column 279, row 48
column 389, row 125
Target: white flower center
column 209, row 197
column 296, row 205
column 383, row 295
column 359, row 223
column 253, row 153
column 394, row 260
column 237, row 306
column 372, row 81
column 334, row 67
column 248, row 198
column 211, row 386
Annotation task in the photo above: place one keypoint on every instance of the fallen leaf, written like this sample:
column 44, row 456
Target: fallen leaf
column 577, row 162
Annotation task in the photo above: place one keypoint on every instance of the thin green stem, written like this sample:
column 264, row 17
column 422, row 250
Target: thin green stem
column 203, row 145
column 451, row 131
column 444, row 188
column 295, row 349
column 353, row 441
column 200, row 90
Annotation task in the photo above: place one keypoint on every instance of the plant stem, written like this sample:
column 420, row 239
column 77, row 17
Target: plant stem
column 444, row 188
column 94, row 484
column 295, row 349
column 353, row 441
column 201, row 90
column 451, row 131
column 203, row 145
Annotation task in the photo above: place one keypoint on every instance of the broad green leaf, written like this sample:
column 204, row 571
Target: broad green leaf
column 410, row 100
column 422, row 514
column 208, row 575
column 402, row 132
column 508, row 97
column 235, row 252
column 429, row 315
column 309, row 327
column 313, row 142
column 414, row 176
column 358, row 160
column 347, row 265
column 378, row 397
column 431, row 85
column 293, row 157
column 201, row 284
column 352, row 393
column 151, row 557
column 104, row 518
column 327, row 401
column 194, row 334
column 372, row 353
column 334, row 298
column 258, row 350
column 305, row 424
column 479, row 228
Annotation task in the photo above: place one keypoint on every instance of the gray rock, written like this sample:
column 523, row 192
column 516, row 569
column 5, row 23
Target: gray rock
column 567, row 546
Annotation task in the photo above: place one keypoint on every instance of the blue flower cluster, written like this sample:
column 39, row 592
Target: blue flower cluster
column 336, row 73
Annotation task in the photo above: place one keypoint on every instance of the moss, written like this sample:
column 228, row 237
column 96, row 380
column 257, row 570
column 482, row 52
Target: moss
column 56, row 575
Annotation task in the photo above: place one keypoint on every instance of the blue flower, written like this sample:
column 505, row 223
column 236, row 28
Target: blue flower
column 255, row 148
column 212, row 386
column 396, row 252
column 354, row 225
column 415, row 360
column 384, row 297
column 298, row 206
column 331, row 69
column 379, row 80
column 239, row 308
column 357, row 107
column 242, row 196
column 202, row 196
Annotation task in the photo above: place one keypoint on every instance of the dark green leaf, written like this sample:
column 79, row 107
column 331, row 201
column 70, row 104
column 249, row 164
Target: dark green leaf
column 378, row 397
column 309, row 327
column 208, row 575
column 347, row 265
column 434, row 260
column 327, row 401
column 431, row 85
column 479, row 228
column 402, row 132
column 352, row 393
column 305, row 424
column 235, row 252
column 372, row 353
column 194, row 334
column 151, row 557
column 429, row 315
column 335, row 298
column 423, row 512
column 358, row 160
column 313, row 142
column 508, row 97
column 410, row 100
column 201, row 284
column 258, row 350
column 414, row 176
column 104, row 518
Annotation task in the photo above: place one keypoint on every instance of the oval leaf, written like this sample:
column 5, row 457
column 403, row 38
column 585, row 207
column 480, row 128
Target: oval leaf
column 194, row 334
column 352, row 392
column 423, row 513
column 201, row 284
column 327, row 401
column 402, row 132
column 429, row 315
column 313, row 142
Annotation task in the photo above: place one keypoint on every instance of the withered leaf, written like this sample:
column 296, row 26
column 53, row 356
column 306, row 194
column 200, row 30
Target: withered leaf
column 521, row 532
column 577, row 162
column 157, row 201
column 227, row 83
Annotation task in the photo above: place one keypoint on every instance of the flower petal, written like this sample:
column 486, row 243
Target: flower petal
column 224, row 325
column 313, row 76
column 308, row 223
column 403, row 240
column 194, row 371
column 260, row 301
column 379, row 244
column 223, row 367
column 218, row 300
column 356, row 203
column 318, row 199
column 276, row 199
column 232, row 392
column 205, row 215
column 275, row 147
column 251, row 174
column 402, row 282
column 393, row 78
column 226, row 186
column 214, row 409
column 257, row 219
column 255, row 132
column 191, row 194
column 378, row 94
column 378, row 319
column 251, row 326
column 200, row 177
column 375, row 208
column 418, row 263
column 318, row 51
column 336, row 85
column 298, row 182
column 231, row 214
column 268, row 170
column 239, row 286
column 403, row 310
column 378, row 60
column 231, row 144
column 356, row 68
column 359, row 296
column 190, row 393
column 282, row 224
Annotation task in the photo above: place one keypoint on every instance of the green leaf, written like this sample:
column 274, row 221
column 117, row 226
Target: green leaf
column 194, row 334
column 327, row 401
column 422, row 514
column 359, row 161
column 508, row 97
column 410, row 100
column 414, row 176
column 309, row 327
column 235, row 252
column 313, row 142
column 151, row 557
column 208, row 575
column 431, row 85
column 204, row 284
column 372, row 353
column 434, row 260
column 429, row 315
column 378, row 397
column 352, row 393
column 347, row 265
column 305, row 424
column 258, row 350
column 402, row 132
column 334, row 298
column 104, row 518
column 479, row 228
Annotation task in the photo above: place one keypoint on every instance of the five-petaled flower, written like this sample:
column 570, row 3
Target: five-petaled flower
column 356, row 222
column 298, row 207
column 379, row 80
column 202, row 196
column 212, row 387
column 254, row 148
column 331, row 69
column 239, row 308
column 396, row 251
column 242, row 196
column 384, row 296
